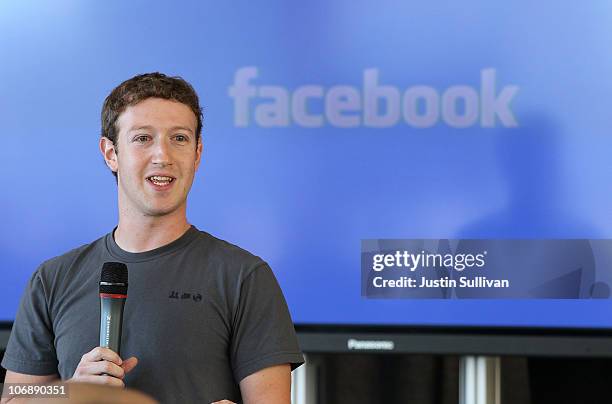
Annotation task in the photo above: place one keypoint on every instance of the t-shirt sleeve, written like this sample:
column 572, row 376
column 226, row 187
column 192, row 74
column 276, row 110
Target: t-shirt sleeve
column 31, row 349
column 263, row 333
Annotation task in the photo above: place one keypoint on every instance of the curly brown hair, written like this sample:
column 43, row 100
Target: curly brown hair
column 141, row 87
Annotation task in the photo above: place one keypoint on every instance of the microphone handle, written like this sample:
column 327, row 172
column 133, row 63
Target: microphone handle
column 111, row 319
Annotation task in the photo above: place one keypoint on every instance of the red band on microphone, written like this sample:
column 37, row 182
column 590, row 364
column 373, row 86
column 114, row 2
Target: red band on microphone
column 113, row 295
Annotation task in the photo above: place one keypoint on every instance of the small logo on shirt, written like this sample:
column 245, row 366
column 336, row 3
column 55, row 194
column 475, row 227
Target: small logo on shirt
column 196, row 297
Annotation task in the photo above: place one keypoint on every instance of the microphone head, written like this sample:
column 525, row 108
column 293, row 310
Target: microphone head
column 114, row 278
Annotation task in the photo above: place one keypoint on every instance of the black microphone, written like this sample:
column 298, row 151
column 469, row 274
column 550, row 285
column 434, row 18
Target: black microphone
column 113, row 292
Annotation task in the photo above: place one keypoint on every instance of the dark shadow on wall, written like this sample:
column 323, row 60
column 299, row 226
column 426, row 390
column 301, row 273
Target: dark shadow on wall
column 429, row 379
column 560, row 381
column 2, row 370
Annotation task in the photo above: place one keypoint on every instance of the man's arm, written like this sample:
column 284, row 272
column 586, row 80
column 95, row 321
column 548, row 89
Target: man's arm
column 270, row 386
column 21, row 378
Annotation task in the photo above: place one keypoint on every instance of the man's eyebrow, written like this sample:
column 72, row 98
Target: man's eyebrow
column 182, row 128
column 133, row 128
column 149, row 127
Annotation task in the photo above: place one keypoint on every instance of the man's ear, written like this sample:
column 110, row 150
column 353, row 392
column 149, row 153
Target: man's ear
column 199, row 148
column 107, row 148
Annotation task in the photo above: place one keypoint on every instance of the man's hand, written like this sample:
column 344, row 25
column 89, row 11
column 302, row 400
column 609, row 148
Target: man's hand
column 103, row 366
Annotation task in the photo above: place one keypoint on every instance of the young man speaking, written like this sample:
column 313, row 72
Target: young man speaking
column 204, row 321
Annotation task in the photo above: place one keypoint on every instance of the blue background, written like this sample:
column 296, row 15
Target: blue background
column 304, row 198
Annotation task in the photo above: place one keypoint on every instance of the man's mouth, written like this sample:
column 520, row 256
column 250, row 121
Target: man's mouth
column 160, row 181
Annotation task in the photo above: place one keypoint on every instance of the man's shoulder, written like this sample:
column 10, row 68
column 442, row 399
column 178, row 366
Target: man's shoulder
column 55, row 265
column 225, row 253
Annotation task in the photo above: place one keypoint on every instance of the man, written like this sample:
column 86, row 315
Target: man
column 204, row 320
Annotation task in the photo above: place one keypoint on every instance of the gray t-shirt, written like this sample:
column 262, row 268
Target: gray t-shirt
column 201, row 315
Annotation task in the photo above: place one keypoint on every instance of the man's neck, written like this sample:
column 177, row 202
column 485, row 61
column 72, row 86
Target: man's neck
column 148, row 233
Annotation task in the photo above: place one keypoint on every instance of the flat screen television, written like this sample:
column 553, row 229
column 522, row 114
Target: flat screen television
column 325, row 124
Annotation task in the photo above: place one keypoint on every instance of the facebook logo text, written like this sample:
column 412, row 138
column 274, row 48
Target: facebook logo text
column 373, row 105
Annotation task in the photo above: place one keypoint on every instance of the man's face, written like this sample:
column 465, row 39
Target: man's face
column 157, row 157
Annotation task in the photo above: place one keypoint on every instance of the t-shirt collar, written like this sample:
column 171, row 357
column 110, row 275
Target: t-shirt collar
column 125, row 256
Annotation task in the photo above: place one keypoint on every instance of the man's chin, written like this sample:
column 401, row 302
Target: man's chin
column 161, row 211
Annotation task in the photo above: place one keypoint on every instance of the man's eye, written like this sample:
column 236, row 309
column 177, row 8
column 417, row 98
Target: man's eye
column 181, row 138
column 141, row 138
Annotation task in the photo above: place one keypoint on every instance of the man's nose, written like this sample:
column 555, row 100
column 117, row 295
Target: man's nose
column 161, row 153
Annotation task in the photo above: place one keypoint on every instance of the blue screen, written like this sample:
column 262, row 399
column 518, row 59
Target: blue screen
column 325, row 123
